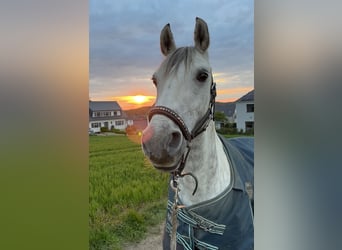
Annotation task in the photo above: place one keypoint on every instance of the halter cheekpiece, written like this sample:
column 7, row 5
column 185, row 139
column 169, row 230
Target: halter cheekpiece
column 201, row 124
column 199, row 127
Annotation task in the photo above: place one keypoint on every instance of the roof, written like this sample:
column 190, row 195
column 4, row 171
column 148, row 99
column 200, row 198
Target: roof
column 247, row 97
column 227, row 108
column 103, row 105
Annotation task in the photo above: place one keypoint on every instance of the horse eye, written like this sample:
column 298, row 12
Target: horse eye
column 202, row 77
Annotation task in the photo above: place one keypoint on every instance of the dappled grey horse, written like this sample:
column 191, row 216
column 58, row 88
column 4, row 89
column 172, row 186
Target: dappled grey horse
column 210, row 203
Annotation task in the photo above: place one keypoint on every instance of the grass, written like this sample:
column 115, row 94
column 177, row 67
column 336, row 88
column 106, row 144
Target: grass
column 126, row 194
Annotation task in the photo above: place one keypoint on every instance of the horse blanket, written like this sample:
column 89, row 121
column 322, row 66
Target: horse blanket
column 226, row 221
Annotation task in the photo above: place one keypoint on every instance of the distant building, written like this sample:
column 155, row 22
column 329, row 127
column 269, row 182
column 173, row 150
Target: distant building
column 244, row 112
column 139, row 123
column 137, row 119
column 106, row 114
column 228, row 109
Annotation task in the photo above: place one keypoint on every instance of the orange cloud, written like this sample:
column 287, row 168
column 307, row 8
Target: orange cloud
column 242, row 90
column 232, row 94
column 141, row 99
column 136, row 101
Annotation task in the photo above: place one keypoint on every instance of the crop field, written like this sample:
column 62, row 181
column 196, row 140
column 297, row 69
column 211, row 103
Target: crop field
column 126, row 194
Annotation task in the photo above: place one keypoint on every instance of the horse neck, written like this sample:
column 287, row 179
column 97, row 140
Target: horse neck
column 208, row 162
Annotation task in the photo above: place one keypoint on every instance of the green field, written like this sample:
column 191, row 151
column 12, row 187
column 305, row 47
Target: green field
column 126, row 194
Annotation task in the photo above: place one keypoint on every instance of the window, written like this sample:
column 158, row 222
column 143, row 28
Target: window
column 96, row 125
column 249, row 126
column 96, row 114
column 119, row 123
column 105, row 113
column 250, row 108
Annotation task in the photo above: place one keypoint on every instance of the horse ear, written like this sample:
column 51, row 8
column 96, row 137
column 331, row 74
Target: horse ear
column 201, row 36
column 167, row 44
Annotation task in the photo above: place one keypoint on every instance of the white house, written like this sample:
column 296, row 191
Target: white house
column 244, row 112
column 106, row 114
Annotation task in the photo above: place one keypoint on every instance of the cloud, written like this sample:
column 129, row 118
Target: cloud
column 124, row 40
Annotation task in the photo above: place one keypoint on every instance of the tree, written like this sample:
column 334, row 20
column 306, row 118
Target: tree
column 220, row 117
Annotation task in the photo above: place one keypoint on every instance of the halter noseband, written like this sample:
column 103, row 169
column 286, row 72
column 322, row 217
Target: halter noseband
column 199, row 127
column 201, row 124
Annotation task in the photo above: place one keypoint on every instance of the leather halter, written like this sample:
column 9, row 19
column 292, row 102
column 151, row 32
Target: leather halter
column 201, row 124
column 199, row 127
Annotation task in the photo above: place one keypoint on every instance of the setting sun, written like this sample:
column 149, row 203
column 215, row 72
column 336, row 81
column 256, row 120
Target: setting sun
column 139, row 99
column 134, row 101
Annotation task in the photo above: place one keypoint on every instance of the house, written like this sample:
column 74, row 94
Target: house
column 106, row 114
column 139, row 123
column 137, row 119
column 244, row 112
column 228, row 109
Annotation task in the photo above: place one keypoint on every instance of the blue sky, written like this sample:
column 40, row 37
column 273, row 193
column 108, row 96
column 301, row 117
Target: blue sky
column 124, row 44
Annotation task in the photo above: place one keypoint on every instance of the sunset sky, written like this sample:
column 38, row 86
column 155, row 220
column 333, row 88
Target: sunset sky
column 124, row 46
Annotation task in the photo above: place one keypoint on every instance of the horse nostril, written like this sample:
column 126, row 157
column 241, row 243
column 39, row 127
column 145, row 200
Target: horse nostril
column 175, row 140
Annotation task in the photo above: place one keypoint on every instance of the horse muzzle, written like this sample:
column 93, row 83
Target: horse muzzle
column 163, row 143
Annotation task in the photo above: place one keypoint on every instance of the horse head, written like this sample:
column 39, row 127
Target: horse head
column 184, row 89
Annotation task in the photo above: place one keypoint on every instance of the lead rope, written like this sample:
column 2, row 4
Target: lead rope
column 175, row 208
column 178, row 172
